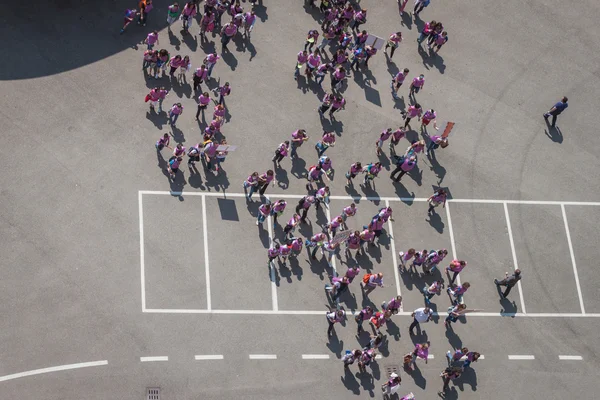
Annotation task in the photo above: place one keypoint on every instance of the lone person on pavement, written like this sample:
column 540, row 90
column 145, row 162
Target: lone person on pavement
column 509, row 282
column 557, row 109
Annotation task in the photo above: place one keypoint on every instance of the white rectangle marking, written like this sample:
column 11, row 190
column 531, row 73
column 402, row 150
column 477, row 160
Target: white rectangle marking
column 564, row 214
column 208, row 357
column 430, row 357
column 521, row 357
column 154, row 358
column 262, row 356
column 52, row 369
column 570, row 358
column 315, row 356
column 378, row 357
column 206, row 268
column 142, row 267
column 274, row 301
column 451, row 231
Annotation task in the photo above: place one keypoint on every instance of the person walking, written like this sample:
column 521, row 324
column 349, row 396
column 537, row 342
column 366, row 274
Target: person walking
column 364, row 315
column 223, row 92
column 172, row 14
column 419, row 6
column 301, row 59
column 227, row 33
column 420, row 315
column 151, row 40
column 433, row 259
column 397, row 81
column 509, row 282
column 439, row 41
column 338, row 103
column 438, row 197
column 334, row 317
column 392, row 385
column 129, row 16
column 354, row 170
column 394, row 305
column 352, row 272
column 278, row 209
column 325, row 104
column 455, row 267
column 435, row 141
column 458, row 354
column 174, row 113
column 429, row 291
column 145, row 7
column 315, row 242
column 421, row 351
column 252, row 183
column 395, row 139
column 371, row 171
column 289, row 228
column 298, row 139
column 403, row 165
column 263, row 212
column 349, row 211
column 199, row 77
column 413, row 111
column 311, row 39
column 273, row 252
column 457, row 291
column 370, row 282
column 405, row 257
column 365, row 360
column 454, row 312
column 264, row 180
column 336, row 288
column 385, row 135
column 450, row 373
column 210, row 61
column 428, row 116
column 327, row 141
column 416, row 85
column 393, row 42
column 203, row 102
column 280, row 153
column 556, row 110
column 350, row 357
column 353, row 243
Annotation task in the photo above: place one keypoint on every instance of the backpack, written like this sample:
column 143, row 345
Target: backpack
column 366, row 278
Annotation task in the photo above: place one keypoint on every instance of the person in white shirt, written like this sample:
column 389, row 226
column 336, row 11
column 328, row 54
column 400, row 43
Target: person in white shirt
column 420, row 315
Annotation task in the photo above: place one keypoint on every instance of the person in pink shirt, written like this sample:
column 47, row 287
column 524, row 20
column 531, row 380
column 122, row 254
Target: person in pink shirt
column 252, row 183
column 426, row 31
column 219, row 113
column 361, row 39
column 403, row 166
column 431, row 290
column 458, row 292
column 349, row 211
column 435, row 141
column 385, row 135
column 439, row 41
column 353, row 243
column 315, row 174
column 264, row 180
column 338, row 103
column 370, row 51
column 334, row 225
column 416, row 85
column 280, row 153
column 415, row 148
column 352, row 272
column 223, row 92
column 340, row 57
column 173, row 166
column 149, row 63
column 327, row 141
column 371, row 282
column 433, row 259
column 179, row 150
column 316, row 241
column 397, row 81
column 209, row 152
column 263, row 212
column 364, row 315
column 394, row 305
column 153, row 97
column 295, row 247
column 193, row 156
column 284, row 252
column 360, row 17
column 413, row 111
column 184, row 67
column 174, row 113
column 326, row 165
column 429, row 116
column 273, row 252
column 401, row 5
column 438, row 197
column 456, row 266
column 249, row 21
column 405, row 257
column 298, row 138
column 367, row 236
column 325, row 104
column 311, row 39
column 301, row 59
column 420, row 257
column 338, row 77
column 278, row 209
column 321, row 71
column 304, row 205
column 289, row 228
column 322, row 196
column 175, row 62
column 210, row 61
column 354, row 170
column 227, row 33
column 203, row 101
column 200, row 76
column 207, row 24
column 393, row 42
column 421, row 351
column 188, row 13
column 313, row 62
column 152, row 39
column 145, row 7
column 395, row 139
column 371, row 171
column 163, row 142
column 128, row 18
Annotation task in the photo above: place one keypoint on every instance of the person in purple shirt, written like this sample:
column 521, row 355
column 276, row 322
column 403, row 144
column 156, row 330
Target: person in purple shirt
column 438, row 197
column 280, row 153
column 352, row 272
column 227, row 33
column 458, row 291
column 277, row 210
column 404, row 165
column 304, row 205
column 364, row 315
column 556, row 110
column 301, row 60
column 334, row 316
column 263, row 212
column 435, row 141
column 394, row 305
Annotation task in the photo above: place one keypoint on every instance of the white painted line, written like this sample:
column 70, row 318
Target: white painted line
column 430, row 357
column 315, row 356
column 274, row 302
column 570, row 358
column 378, row 357
column 514, row 255
column 519, row 357
column 208, row 357
column 206, row 268
column 52, row 369
column 155, row 358
column 451, row 231
column 377, row 198
column 564, row 214
column 142, row 267
column 481, row 357
column 393, row 247
column 321, row 313
column 262, row 356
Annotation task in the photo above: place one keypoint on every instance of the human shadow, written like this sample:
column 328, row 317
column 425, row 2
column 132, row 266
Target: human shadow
column 406, row 19
column 420, row 336
column 553, row 132
column 391, row 67
column 191, row 41
column 157, row 119
column 177, row 135
column 367, row 382
column 453, row 339
column 261, row 11
column 438, row 170
column 177, row 183
column 248, row 46
column 431, row 59
column 349, row 300
column 296, row 268
column 350, row 381
column 299, row 168
column 508, row 307
column 195, row 178
column 335, row 345
column 405, row 196
column 229, row 59
column 393, row 330
column 417, row 376
column 435, row 220
column 332, row 125
column 313, row 11
column 208, row 46
column 469, row 376
column 174, row 40
column 281, row 176
column 302, row 83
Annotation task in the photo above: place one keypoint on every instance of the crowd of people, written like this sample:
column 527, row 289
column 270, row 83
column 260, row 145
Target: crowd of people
column 344, row 47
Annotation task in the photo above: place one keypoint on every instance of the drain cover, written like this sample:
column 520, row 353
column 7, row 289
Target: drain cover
column 153, row 394
column 389, row 369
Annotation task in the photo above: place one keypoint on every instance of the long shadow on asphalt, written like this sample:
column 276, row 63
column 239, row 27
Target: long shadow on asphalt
column 350, row 382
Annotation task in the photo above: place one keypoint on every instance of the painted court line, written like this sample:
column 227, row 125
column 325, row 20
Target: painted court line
column 451, row 232
column 262, row 356
column 378, row 357
column 430, row 357
column 155, row 358
column 206, row 268
column 564, row 214
column 142, row 267
column 377, row 198
column 521, row 357
column 274, row 302
column 514, row 255
column 315, row 356
column 570, row 358
column 52, row 369
column 393, row 246
column 208, row 357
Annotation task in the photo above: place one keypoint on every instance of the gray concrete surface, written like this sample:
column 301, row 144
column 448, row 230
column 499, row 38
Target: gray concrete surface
column 79, row 145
